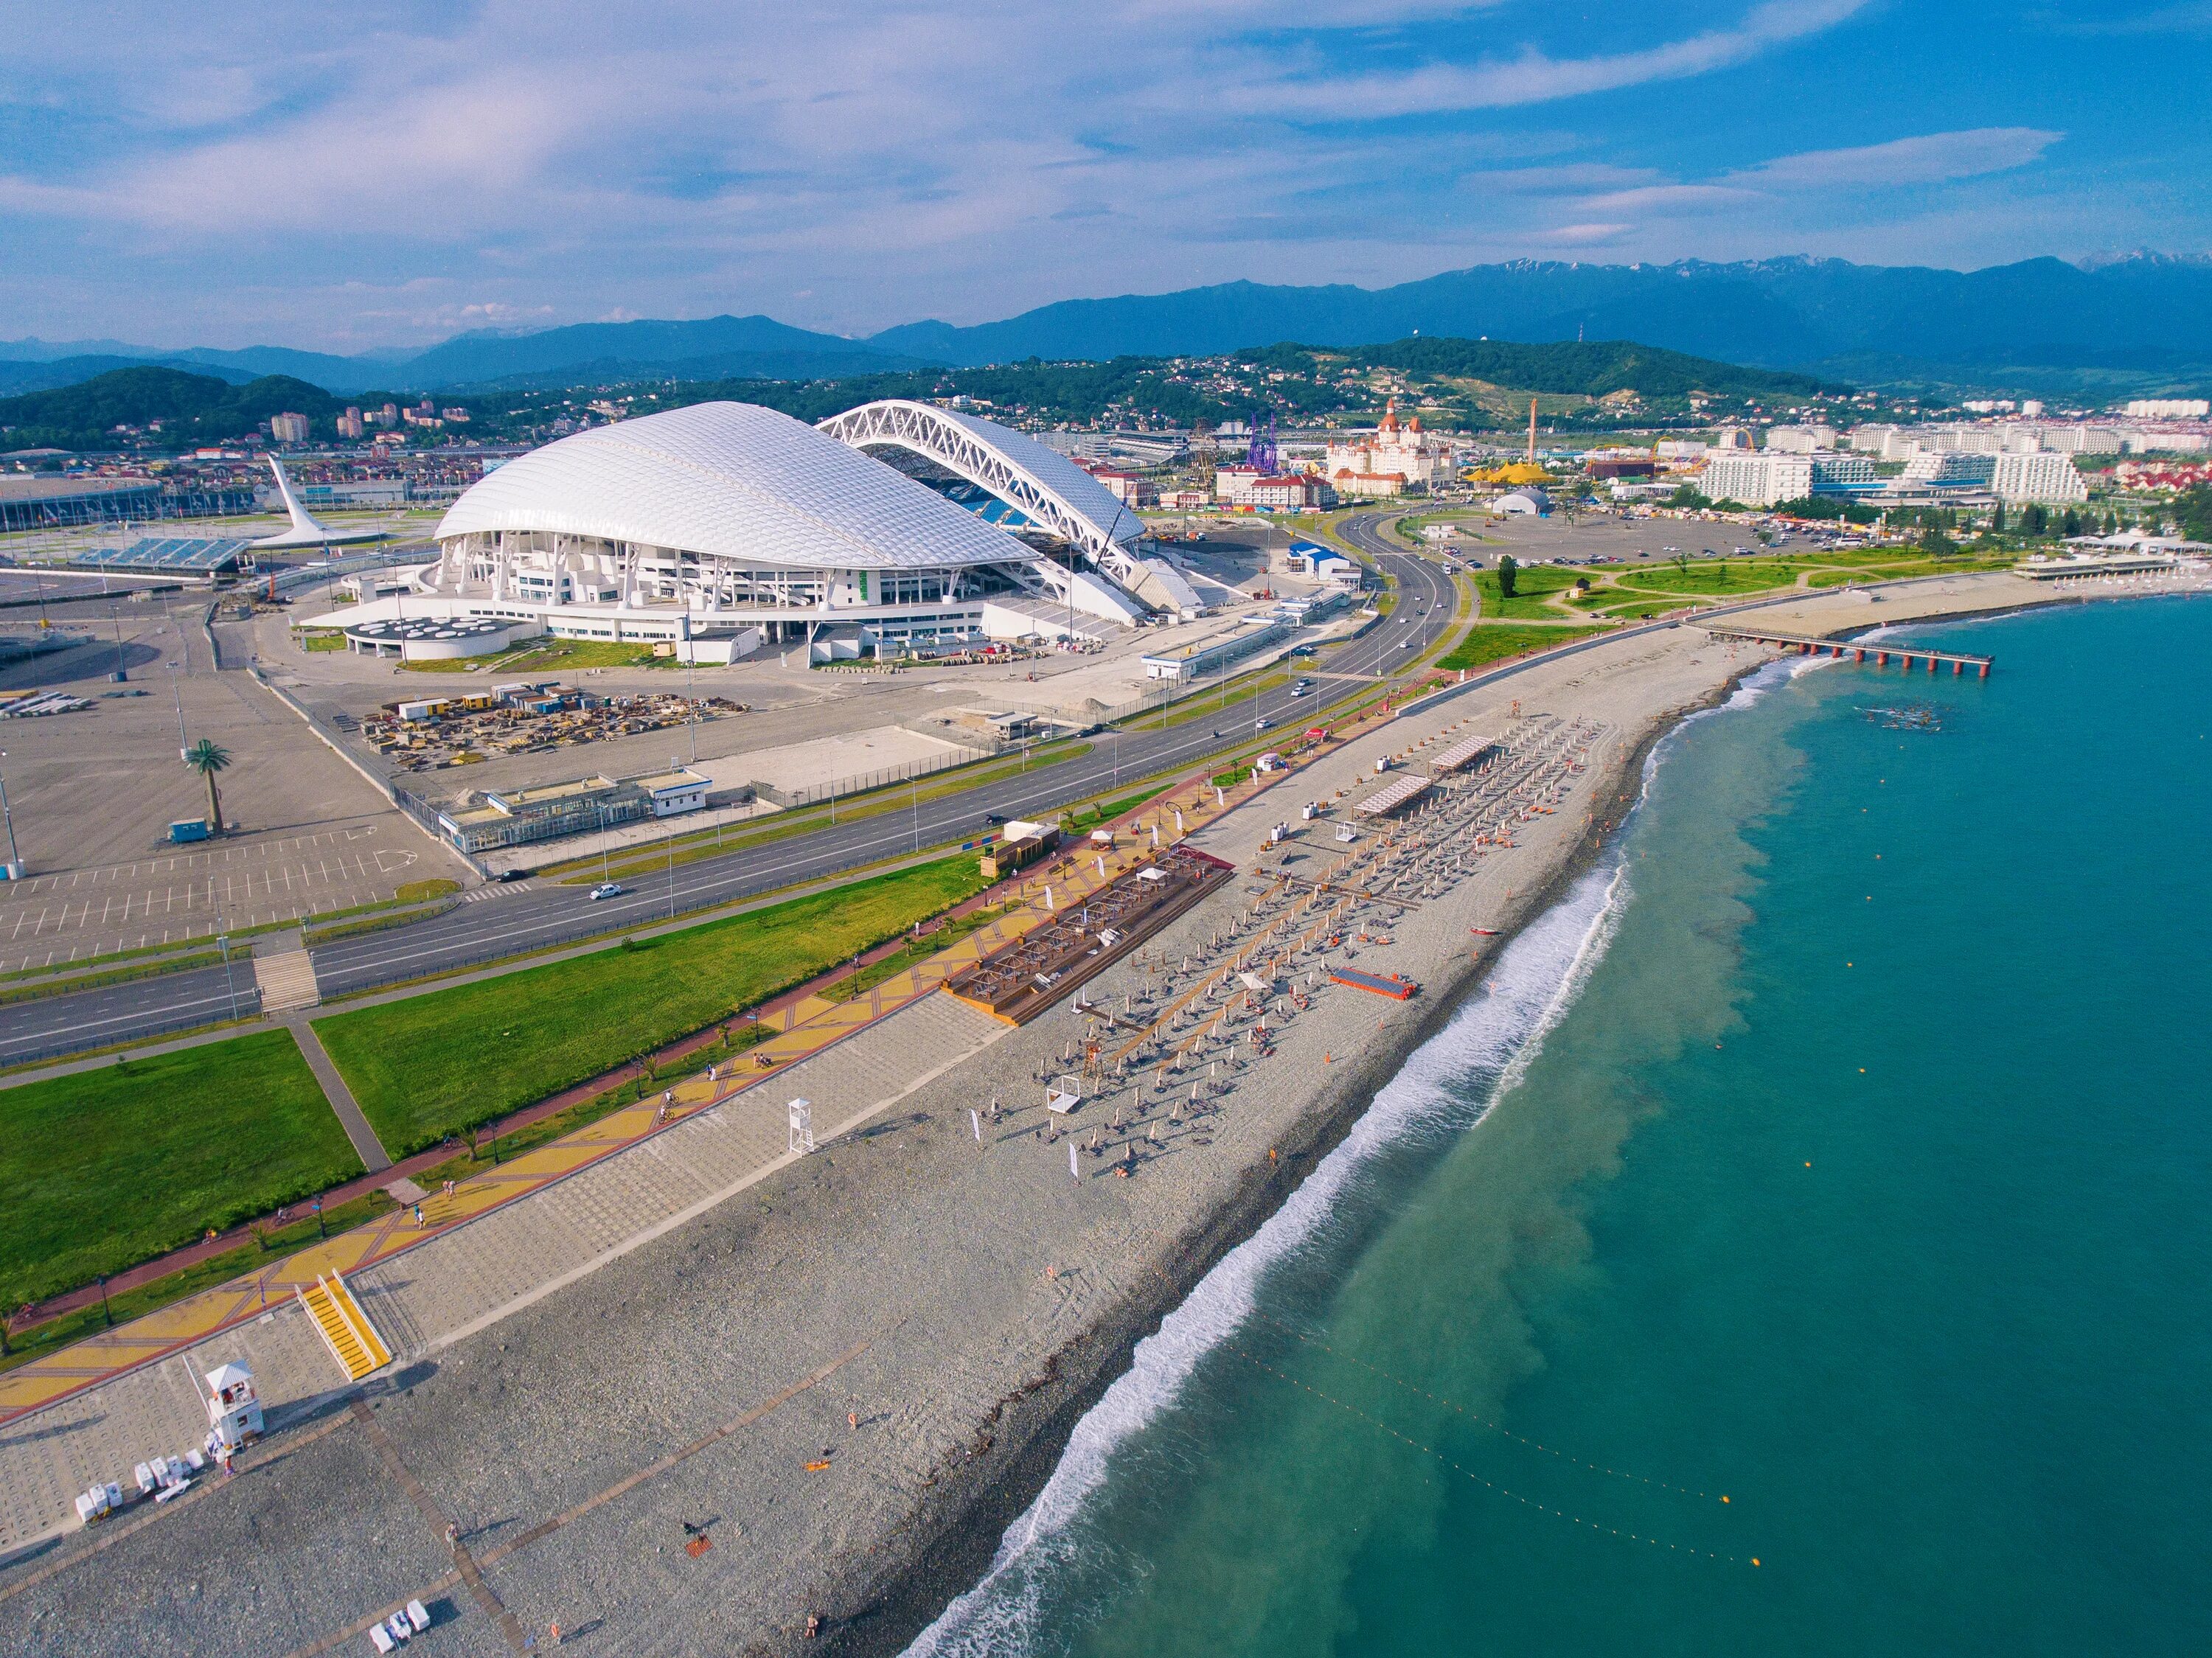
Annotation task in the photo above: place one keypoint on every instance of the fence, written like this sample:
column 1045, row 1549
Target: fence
column 841, row 788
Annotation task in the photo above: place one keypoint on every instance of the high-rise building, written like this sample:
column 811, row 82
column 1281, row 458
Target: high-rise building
column 350, row 424
column 2041, row 477
column 1800, row 440
column 288, row 427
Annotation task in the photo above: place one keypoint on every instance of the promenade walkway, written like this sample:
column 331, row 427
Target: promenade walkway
column 511, row 1233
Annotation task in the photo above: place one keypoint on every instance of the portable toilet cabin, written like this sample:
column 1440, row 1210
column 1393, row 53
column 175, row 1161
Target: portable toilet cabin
column 234, row 1408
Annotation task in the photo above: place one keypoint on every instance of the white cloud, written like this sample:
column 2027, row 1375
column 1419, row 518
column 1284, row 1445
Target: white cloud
column 1533, row 76
column 1931, row 158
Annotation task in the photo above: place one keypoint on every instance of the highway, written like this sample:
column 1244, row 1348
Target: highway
column 508, row 921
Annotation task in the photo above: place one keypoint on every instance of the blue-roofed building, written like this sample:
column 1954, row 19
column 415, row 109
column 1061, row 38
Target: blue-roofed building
column 201, row 558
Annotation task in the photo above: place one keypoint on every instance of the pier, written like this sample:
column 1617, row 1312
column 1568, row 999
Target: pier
column 1910, row 656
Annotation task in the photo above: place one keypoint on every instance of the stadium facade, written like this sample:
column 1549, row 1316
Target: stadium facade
column 727, row 520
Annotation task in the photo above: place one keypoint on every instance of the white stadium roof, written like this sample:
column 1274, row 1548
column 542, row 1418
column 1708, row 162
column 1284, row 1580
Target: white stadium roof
column 732, row 480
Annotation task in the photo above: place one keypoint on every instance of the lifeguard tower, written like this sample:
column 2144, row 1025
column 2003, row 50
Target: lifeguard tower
column 234, row 1408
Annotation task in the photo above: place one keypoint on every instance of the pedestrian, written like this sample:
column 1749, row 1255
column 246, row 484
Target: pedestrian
column 852, row 1420
column 453, row 1537
column 418, row 1216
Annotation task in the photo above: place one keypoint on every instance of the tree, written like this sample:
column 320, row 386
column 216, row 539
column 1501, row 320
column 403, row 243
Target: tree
column 1681, row 562
column 1508, row 572
column 2193, row 511
column 1933, row 543
column 207, row 757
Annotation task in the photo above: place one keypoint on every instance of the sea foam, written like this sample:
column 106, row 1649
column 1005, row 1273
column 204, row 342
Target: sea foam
column 1495, row 1036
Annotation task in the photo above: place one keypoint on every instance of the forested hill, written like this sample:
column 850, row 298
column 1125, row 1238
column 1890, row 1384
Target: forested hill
column 1471, row 385
column 192, row 410
column 1594, row 368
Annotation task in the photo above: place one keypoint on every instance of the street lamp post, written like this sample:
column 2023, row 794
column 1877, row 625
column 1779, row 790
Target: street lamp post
column 176, row 689
column 691, row 693
column 230, row 981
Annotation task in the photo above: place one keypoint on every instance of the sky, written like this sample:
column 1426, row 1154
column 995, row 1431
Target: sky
column 384, row 176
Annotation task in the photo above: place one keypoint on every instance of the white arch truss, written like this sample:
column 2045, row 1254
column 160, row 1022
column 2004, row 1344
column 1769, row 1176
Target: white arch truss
column 1051, row 490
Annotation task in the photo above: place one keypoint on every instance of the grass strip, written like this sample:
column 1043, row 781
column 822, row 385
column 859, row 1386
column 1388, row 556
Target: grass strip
column 1497, row 643
column 120, row 975
column 102, row 1169
column 312, row 937
column 433, row 1065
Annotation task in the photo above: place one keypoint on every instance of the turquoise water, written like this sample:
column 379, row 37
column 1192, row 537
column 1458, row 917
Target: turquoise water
column 1843, row 1149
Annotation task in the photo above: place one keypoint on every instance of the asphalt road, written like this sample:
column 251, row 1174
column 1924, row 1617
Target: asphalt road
column 506, row 922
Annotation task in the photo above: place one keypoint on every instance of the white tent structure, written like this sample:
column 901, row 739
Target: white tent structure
column 304, row 531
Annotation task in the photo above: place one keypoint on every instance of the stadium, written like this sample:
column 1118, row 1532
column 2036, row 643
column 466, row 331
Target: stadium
column 723, row 526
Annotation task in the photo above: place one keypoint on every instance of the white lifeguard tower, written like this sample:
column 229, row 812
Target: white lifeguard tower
column 234, row 1408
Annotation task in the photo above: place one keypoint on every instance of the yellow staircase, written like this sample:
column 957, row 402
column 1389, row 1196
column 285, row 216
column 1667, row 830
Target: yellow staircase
column 350, row 1336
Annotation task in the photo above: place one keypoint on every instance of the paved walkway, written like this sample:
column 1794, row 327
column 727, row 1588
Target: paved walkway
column 804, row 1030
column 369, row 1149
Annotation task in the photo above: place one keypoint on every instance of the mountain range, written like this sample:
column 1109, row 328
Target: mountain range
column 2144, row 321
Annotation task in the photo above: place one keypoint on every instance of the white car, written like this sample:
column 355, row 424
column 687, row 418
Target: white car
column 606, row 889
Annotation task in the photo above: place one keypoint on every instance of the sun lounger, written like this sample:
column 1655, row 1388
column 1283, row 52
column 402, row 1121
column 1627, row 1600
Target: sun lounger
column 418, row 1615
column 380, row 1637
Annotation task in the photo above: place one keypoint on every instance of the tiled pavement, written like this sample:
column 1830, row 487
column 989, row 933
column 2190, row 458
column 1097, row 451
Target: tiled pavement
column 466, row 1275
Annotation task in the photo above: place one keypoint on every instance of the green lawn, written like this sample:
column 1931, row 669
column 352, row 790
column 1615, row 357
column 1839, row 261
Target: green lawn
column 1485, row 644
column 108, row 1167
column 1708, row 576
column 1530, row 589
column 440, row 1064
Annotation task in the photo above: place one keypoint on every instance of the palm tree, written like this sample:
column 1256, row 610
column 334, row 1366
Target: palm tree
column 207, row 758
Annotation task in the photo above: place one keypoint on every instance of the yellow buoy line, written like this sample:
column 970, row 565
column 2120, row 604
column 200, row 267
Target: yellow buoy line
column 1491, row 1484
column 1484, row 1421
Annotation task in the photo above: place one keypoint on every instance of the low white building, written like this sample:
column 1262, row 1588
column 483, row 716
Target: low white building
column 2038, row 477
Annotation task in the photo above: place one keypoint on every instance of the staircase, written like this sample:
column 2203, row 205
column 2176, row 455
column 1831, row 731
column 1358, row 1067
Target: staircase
column 346, row 1330
column 287, row 982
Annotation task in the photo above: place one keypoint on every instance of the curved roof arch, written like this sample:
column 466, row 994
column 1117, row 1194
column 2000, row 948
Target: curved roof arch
column 731, row 480
column 1051, row 489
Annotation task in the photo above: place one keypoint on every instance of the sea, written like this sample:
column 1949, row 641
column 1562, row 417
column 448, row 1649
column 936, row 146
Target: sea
column 1800, row 1243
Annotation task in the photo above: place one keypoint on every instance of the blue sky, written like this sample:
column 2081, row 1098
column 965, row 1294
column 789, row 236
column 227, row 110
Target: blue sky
column 388, row 174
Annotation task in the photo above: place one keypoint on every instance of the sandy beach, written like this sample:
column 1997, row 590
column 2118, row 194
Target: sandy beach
column 845, row 1379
